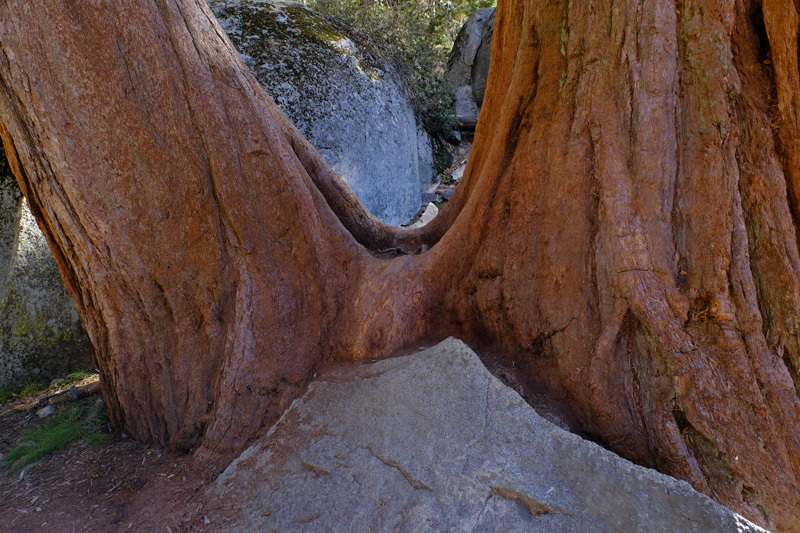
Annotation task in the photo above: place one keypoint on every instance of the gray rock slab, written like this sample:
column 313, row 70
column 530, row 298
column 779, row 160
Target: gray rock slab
column 426, row 161
column 428, row 197
column 346, row 100
column 428, row 215
column 480, row 65
column 434, row 442
column 468, row 40
column 41, row 336
column 458, row 173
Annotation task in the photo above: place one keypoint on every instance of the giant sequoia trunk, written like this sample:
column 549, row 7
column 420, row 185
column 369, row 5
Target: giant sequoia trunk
column 625, row 236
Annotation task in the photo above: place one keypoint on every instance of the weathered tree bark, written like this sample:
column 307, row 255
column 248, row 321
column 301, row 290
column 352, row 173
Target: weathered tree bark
column 625, row 236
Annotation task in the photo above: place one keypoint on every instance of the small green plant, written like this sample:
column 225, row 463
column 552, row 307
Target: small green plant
column 22, row 392
column 5, row 395
column 78, row 376
column 31, row 389
column 86, row 420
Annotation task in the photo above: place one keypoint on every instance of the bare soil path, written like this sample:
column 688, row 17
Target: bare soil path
column 117, row 485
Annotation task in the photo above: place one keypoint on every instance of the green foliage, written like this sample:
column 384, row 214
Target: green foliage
column 77, row 377
column 416, row 37
column 86, row 420
column 31, row 389
column 28, row 329
column 6, row 395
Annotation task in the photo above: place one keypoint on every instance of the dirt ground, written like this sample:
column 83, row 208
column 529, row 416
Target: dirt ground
column 117, row 485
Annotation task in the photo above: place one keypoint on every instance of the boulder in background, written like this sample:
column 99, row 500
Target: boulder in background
column 468, row 66
column 342, row 96
column 468, row 40
column 483, row 56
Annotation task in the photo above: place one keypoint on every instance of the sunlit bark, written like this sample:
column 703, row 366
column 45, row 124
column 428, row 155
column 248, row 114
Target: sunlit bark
column 623, row 238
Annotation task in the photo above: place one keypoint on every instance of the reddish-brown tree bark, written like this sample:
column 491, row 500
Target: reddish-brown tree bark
column 625, row 236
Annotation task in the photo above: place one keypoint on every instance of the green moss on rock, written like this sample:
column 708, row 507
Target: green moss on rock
column 41, row 336
column 341, row 95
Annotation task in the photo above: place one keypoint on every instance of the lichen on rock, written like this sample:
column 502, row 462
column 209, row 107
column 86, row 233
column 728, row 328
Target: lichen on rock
column 41, row 335
column 342, row 96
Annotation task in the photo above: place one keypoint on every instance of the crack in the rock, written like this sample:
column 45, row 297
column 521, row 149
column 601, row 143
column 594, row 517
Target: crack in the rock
column 414, row 482
column 648, row 269
column 483, row 510
column 534, row 507
column 486, row 404
column 316, row 470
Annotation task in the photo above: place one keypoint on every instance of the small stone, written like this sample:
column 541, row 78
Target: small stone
column 453, row 138
column 44, row 412
column 448, row 194
column 459, row 172
column 428, row 197
column 429, row 214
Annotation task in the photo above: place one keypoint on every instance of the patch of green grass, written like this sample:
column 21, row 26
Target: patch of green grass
column 33, row 388
column 72, row 379
column 5, row 395
column 26, row 391
column 80, row 375
column 86, row 420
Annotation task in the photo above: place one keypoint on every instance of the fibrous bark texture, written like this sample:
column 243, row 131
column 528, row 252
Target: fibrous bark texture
column 625, row 237
column 207, row 268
